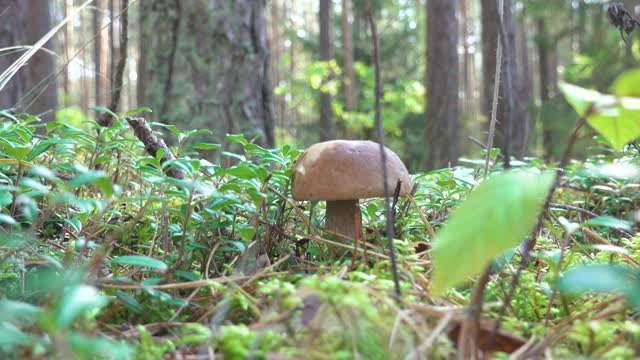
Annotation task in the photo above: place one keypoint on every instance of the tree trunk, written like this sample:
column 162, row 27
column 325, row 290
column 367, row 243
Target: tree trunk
column 510, row 128
column 100, row 53
column 544, row 72
column 68, row 48
column 143, row 8
column 223, row 84
column 11, row 34
column 33, row 87
column 349, row 74
column 526, row 79
column 327, row 129
column 442, row 84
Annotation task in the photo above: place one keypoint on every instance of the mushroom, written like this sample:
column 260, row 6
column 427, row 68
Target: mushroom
column 341, row 172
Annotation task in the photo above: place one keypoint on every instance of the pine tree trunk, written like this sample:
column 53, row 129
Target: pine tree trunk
column 100, row 53
column 544, row 72
column 68, row 48
column 11, row 34
column 442, row 84
column 223, row 84
column 327, row 129
column 510, row 127
column 33, row 88
column 349, row 74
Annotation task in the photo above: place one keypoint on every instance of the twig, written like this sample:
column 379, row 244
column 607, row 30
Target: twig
column 378, row 122
column 585, row 212
column 479, row 143
column 528, row 245
column 494, row 105
column 507, row 89
column 106, row 119
column 153, row 144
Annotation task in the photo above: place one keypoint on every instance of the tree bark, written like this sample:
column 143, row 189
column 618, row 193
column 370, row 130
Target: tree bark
column 327, row 129
column 100, row 53
column 68, row 47
column 544, row 73
column 224, row 83
column 349, row 74
column 11, row 34
column 33, row 88
column 442, row 84
column 511, row 128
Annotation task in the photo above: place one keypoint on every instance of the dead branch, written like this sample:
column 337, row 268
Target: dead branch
column 153, row 144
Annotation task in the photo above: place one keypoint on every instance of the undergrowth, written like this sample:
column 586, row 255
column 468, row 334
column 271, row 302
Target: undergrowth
column 103, row 255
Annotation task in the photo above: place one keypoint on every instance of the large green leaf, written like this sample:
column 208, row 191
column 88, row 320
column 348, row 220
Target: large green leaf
column 496, row 216
column 615, row 118
column 619, row 125
column 627, row 84
column 581, row 99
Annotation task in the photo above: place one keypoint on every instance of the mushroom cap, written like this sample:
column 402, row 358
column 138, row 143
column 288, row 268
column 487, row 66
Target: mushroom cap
column 346, row 170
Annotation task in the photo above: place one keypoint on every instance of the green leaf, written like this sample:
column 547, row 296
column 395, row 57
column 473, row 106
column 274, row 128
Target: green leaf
column 242, row 171
column 497, row 216
column 17, row 310
column 139, row 110
column 39, row 149
column 7, row 115
column 602, row 278
column 610, row 222
column 618, row 125
column 13, row 336
column 99, row 178
column 77, row 300
column 104, row 109
column 627, row 83
column 206, row 146
column 237, row 139
column 6, row 219
column 139, row 260
column 5, row 198
column 580, row 98
column 17, row 152
column 98, row 347
column 171, row 128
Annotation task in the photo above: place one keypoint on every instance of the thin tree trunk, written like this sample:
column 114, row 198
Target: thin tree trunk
column 41, row 70
column 442, row 84
column 68, row 48
column 100, row 53
column 510, row 131
column 11, row 34
column 349, row 74
column 143, row 8
column 526, row 79
column 544, row 72
column 327, row 128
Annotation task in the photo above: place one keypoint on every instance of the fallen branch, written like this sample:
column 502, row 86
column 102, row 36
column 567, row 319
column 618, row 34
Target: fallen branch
column 153, row 144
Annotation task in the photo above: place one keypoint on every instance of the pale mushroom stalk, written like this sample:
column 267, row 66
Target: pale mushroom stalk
column 343, row 217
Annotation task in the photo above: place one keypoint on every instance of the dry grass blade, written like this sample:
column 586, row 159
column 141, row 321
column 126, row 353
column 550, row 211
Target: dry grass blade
column 6, row 76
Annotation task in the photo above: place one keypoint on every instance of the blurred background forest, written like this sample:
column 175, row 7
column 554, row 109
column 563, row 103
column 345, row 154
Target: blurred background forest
column 300, row 71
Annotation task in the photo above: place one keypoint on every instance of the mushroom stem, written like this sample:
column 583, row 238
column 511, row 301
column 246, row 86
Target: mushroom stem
column 343, row 217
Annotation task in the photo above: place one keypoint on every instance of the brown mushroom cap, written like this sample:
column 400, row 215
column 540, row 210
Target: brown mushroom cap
column 346, row 170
